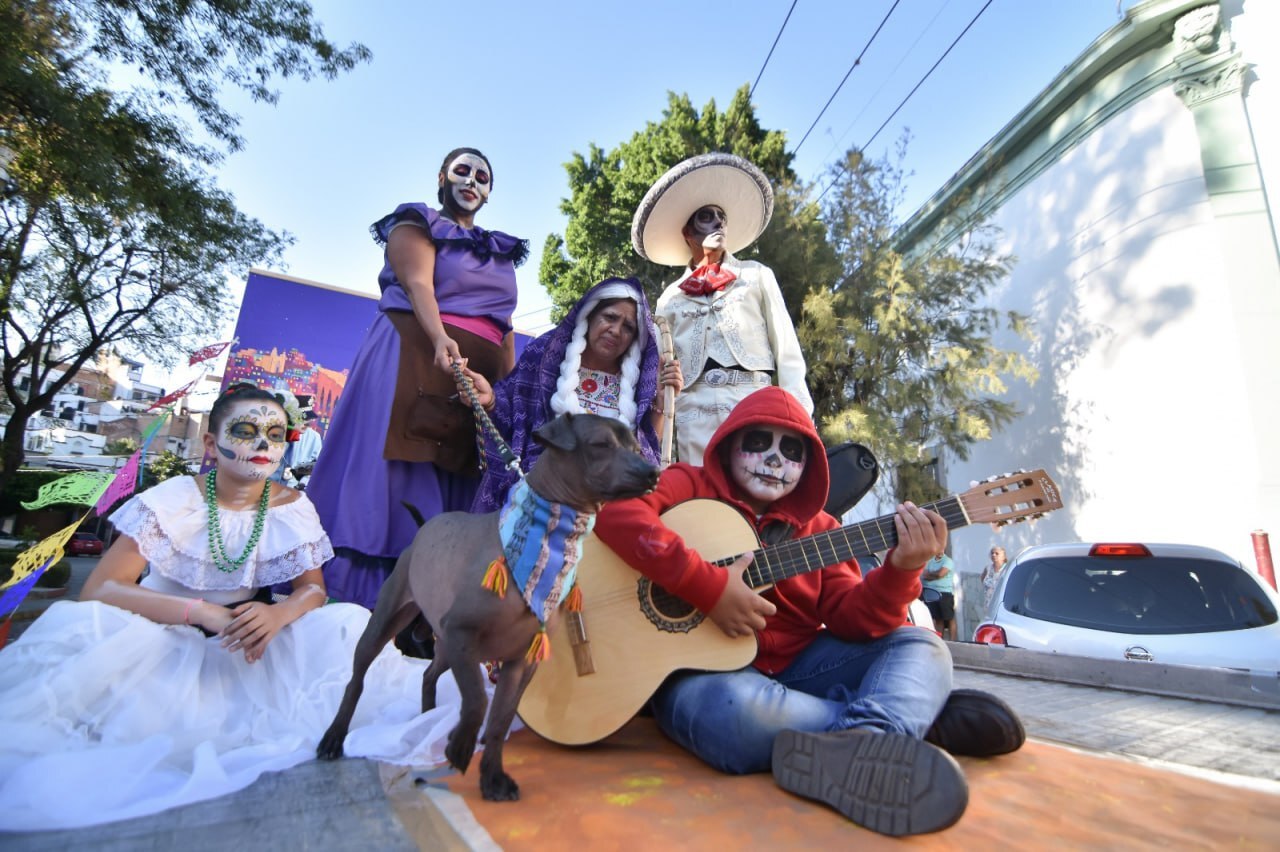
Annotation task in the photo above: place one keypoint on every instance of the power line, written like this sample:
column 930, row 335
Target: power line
column 775, row 44
column 855, row 64
column 871, row 99
column 909, row 94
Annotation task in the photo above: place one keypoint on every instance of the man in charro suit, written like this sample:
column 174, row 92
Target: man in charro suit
column 728, row 321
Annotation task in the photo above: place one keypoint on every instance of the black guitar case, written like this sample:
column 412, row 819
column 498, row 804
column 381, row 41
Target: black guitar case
column 853, row 471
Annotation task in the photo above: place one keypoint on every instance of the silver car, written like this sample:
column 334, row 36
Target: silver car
column 1167, row 603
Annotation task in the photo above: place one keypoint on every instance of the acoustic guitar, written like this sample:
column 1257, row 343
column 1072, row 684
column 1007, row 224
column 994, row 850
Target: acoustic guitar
column 609, row 658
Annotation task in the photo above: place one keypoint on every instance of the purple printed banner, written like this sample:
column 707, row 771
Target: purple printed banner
column 122, row 486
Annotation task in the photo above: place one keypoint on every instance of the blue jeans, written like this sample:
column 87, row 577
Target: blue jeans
column 895, row 684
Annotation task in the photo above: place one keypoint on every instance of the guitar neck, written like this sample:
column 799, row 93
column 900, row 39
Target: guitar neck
column 815, row 552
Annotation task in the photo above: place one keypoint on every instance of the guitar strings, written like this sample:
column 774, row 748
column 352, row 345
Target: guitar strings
column 812, row 553
column 801, row 556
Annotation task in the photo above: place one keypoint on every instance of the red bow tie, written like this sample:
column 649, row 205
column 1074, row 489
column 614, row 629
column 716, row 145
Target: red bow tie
column 707, row 279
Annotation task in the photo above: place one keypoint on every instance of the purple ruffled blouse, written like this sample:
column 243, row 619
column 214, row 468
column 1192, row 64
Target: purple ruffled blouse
column 475, row 269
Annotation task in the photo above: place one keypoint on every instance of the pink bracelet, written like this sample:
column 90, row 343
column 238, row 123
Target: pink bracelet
column 186, row 613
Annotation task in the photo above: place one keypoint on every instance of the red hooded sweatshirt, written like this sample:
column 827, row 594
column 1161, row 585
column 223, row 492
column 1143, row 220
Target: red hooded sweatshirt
column 836, row 597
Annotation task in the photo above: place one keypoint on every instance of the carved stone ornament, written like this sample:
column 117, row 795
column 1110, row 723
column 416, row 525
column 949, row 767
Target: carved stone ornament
column 1198, row 29
column 1213, row 83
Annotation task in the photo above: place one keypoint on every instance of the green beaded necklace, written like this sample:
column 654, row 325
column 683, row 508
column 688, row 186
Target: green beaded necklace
column 217, row 549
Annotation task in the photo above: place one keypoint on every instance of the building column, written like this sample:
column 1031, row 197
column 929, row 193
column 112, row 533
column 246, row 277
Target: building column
column 1211, row 82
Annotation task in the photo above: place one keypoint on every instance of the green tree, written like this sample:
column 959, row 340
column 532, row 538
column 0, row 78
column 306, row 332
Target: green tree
column 166, row 466
column 607, row 187
column 120, row 447
column 112, row 231
column 900, row 351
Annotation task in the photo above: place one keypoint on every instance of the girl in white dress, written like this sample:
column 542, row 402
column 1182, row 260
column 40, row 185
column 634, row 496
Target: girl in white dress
column 189, row 683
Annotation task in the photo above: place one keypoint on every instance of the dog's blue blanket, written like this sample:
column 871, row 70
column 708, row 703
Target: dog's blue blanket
column 542, row 543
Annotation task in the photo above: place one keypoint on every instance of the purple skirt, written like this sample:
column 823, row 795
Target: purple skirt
column 358, row 494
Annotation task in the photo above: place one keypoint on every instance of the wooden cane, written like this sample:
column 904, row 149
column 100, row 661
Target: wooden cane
column 666, row 348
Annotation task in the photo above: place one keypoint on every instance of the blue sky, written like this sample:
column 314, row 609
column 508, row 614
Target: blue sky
column 530, row 83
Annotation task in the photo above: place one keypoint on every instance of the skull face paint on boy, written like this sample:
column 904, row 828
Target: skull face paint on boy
column 766, row 462
column 469, row 180
column 251, row 442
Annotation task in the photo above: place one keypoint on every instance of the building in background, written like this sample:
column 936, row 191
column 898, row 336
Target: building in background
column 1134, row 192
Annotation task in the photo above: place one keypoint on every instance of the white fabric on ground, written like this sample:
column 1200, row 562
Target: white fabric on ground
column 106, row 715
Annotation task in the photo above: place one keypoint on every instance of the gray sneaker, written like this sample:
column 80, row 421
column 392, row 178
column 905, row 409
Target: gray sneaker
column 890, row 783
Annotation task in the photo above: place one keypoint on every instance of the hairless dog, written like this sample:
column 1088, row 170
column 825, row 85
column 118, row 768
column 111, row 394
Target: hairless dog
column 587, row 460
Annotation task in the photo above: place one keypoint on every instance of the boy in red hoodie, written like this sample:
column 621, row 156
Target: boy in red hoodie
column 842, row 689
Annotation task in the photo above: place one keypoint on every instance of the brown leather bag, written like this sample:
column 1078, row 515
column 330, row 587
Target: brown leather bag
column 428, row 423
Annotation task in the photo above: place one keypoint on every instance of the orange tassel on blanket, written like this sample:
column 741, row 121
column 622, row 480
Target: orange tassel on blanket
column 495, row 577
column 573, row 603
column 539, row 648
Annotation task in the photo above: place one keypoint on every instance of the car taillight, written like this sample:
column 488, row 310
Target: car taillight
column 990, row 634
column 1121, row 550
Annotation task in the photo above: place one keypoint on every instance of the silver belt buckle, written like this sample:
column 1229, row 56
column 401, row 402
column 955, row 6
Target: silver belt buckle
column 716, row 377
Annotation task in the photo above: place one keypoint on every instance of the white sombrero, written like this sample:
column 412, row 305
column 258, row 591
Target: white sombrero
column 722, row 179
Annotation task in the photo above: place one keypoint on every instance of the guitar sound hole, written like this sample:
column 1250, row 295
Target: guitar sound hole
column 666, row 611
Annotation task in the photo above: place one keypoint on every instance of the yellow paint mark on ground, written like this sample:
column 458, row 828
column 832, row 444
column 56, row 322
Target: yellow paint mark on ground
column 645, row 781
column 643, row 786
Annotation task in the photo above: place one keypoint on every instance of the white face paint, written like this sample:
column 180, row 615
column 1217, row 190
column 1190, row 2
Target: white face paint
column 766, row 463
column 469, row 179
column 251, row 441
column 708, row 224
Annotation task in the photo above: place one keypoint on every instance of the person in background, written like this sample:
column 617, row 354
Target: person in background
column 845, row 702
column 730, row 326
column 399, row 434
column 991, row 573
column 940, row 577
column 602, row 358
column 301, row 456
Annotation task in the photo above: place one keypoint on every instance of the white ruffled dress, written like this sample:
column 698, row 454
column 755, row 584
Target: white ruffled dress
column 106, row 715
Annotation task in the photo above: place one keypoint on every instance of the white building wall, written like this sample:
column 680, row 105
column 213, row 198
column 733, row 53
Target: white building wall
column 1153, row 294
column 1119, row 264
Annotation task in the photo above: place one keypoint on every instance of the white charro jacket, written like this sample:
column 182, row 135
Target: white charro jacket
column 745, row 324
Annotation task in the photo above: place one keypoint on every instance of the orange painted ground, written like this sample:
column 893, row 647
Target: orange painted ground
column 637, row 790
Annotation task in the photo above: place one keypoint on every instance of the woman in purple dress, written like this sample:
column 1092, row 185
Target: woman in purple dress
column 398, row 435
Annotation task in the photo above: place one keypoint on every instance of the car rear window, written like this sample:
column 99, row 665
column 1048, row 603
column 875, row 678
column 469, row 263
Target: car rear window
column 1147, row 595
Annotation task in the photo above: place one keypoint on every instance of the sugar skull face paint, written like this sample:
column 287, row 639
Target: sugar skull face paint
column 766, row 462
column 469, row 179
column 251, row 441
column 707, row 226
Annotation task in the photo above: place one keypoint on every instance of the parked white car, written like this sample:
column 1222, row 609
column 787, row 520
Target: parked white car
column 1165, row 603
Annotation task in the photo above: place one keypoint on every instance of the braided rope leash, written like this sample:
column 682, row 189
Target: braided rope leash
column 484, row 424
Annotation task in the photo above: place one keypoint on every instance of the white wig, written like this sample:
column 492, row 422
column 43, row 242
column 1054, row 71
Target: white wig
column 565, row 399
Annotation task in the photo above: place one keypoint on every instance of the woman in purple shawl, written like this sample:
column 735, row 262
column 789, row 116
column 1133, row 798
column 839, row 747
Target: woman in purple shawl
column 602, row 358
column 397, row 437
